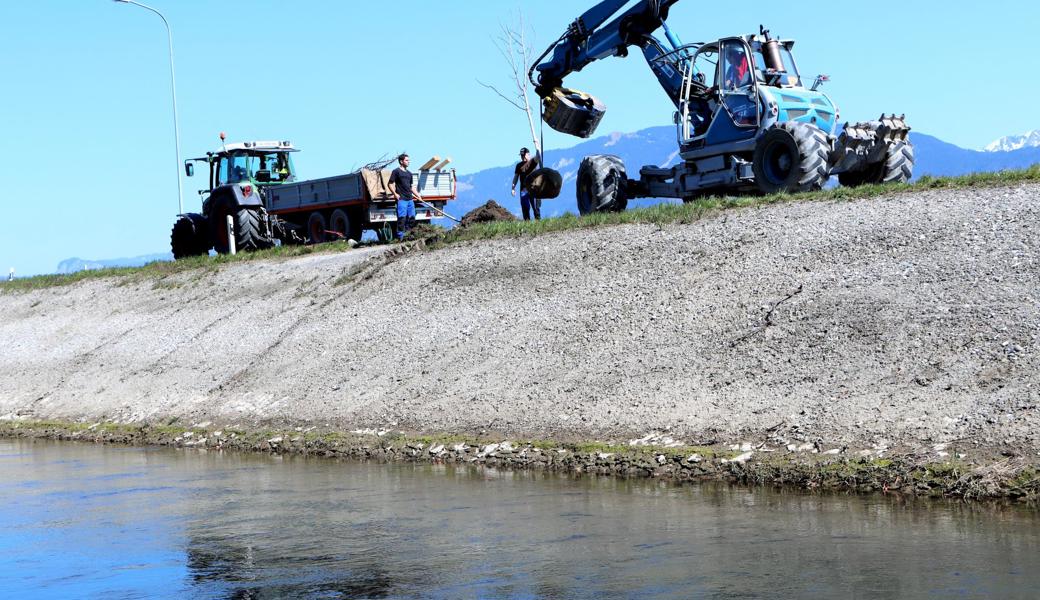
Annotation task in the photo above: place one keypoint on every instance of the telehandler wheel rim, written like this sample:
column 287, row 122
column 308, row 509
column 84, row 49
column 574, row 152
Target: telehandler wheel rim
column 778, row 158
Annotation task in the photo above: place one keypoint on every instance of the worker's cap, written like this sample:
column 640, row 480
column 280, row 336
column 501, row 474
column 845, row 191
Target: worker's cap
column 524, row 151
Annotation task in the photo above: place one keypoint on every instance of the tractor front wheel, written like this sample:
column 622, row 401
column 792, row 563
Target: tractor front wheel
column 601, row 184
column 247, row 227
column 249, row 231
column 791, row 157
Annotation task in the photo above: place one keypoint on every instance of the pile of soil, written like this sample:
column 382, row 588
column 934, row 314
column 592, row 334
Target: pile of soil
column 486, row 213
column 424, row 231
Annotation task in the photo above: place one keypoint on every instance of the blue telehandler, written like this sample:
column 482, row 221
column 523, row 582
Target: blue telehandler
column 746, row 122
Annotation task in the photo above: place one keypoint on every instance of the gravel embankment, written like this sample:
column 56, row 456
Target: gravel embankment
column 911, row 319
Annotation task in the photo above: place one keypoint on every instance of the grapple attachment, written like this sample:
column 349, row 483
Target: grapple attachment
column 572, row 112
column 893, row 128
column 866, row 143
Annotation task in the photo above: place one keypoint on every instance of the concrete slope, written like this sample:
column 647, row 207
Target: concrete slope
column 911, row 318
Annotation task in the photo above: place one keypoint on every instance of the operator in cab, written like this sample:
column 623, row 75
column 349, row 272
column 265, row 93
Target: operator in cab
column 738, row 70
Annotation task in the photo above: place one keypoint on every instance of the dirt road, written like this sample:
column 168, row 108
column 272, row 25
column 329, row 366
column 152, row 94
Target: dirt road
column 908, row 319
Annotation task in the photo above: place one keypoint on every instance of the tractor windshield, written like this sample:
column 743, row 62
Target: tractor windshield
column 273, row 167
column 267, row 167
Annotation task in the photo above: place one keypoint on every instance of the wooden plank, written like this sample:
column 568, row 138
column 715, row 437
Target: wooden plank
column 429, row 164
column 443, row 164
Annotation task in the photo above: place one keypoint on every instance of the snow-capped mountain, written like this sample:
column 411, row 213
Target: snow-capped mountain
column 1016, row 142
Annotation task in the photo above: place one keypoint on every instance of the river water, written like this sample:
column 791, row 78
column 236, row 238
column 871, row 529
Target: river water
column 84, row 521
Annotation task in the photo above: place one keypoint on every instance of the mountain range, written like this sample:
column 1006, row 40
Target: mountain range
column 657, row 146
column 1015, row 142
column 74, row 265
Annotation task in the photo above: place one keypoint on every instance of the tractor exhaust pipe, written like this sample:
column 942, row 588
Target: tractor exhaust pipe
column 771, row 51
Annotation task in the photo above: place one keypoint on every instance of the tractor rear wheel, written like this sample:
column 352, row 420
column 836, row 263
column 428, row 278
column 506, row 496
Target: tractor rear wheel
column 187, row 239
column 601, row 184
column 791, row 157
column 898, row 167
column 316, row 227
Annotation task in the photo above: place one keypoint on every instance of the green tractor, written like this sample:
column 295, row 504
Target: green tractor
column 233, row 208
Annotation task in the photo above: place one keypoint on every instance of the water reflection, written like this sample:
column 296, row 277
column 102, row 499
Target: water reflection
column 83, row 520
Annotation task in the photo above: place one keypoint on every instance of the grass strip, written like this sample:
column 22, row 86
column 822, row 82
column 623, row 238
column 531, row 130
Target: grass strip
column 663, row 214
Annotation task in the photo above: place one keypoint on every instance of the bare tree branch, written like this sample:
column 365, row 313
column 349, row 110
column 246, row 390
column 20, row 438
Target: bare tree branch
column 501, row 95
column 512, row 44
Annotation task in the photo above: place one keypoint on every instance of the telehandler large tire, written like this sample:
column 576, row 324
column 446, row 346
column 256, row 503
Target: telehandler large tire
column 601, row 184
column 189, row 237
column 898, row 167
column 791, row 157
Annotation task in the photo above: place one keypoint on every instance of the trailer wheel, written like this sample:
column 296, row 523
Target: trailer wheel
column 791, row 157
column 189, row 237
column 346, row 226
column 601, row 184
column 316, row 227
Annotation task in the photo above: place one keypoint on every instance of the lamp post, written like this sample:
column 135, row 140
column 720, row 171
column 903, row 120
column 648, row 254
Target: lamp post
column 173, row 88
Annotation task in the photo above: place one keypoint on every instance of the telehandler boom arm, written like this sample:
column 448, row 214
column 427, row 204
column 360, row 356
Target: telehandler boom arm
column 590, row 38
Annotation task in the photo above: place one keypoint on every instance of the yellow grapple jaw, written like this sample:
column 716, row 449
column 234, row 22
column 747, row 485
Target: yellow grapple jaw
column 572, row 112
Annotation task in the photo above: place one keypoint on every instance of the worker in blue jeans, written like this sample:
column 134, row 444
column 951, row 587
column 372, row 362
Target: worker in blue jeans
column 523, row 170
column 404, row 192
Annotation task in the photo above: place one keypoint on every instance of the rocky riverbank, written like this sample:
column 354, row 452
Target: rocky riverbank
column 805, row 467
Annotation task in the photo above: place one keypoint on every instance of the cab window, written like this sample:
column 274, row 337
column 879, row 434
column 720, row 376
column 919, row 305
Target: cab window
column 273, row 167
column 222, row 171
column 238, row 168
column 793, row 78
column 736, row 67
column 705, row 66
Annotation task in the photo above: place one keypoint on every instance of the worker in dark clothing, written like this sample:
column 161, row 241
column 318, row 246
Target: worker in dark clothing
column 524, row 168
column 405, row 194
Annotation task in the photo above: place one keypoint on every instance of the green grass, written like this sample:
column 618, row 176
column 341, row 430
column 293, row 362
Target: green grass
column 669, row 214
column 160, row 270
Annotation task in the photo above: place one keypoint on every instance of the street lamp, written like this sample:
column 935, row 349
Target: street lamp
column 173, row 87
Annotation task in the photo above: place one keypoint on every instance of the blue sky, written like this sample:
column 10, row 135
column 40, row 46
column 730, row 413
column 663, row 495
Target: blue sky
column 86, row 119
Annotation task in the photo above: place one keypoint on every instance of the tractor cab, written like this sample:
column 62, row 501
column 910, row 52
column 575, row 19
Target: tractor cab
column 737, row 86
column 257, row 163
